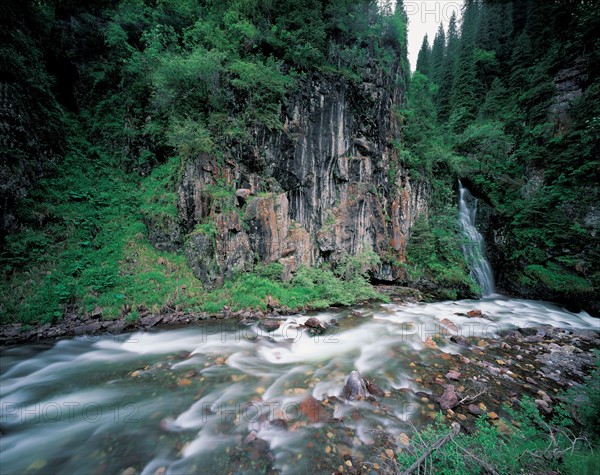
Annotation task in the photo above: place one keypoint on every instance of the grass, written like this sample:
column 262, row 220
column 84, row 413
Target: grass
column 91, row 250
column 528, row 444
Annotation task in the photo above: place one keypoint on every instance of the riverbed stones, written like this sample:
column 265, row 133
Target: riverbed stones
column 374, row 389
column 315, row 325
column 449, row 398
column 453, row 375
column 355, row 388
column 269, row 325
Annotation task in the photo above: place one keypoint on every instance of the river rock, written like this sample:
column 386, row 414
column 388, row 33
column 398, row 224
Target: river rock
column 453, row 374
column 269, row 325
column 460, row 340
column 355, row 387
column 448, row 399
column 474, row 409
column 474, row 314
column 315, row 325
column 374, row 389
column 449, row 324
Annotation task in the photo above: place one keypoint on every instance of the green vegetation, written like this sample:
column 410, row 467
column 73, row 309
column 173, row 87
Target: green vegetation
column 484, row 106
column 523, row 443
column 434, row 259
column 121, row 94
column 311, row 287
column 106, row 101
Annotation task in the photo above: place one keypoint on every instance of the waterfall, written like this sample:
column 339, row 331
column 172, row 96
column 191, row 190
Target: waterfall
column 473, row 246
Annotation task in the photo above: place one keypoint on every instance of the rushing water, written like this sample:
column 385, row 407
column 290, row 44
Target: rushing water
column 182, row 401
column 473, row 248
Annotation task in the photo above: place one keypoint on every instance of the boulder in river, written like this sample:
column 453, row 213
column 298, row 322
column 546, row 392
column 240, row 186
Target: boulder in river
column 374, row 389
column 315, row 325
column 355, row 387
column 269, row 325
column 448, row 399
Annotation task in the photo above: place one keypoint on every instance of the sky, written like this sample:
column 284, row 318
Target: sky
column 424, row 17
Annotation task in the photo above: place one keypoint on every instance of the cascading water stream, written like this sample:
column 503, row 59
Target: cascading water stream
column 473, row 247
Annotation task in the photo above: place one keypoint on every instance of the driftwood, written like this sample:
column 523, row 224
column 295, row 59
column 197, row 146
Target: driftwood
column 436, row 445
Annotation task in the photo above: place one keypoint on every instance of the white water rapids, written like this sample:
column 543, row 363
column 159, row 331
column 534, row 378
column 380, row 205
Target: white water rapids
column 182, row 401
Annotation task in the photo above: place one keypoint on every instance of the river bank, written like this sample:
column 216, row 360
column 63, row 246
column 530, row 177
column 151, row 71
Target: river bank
column 92, row 324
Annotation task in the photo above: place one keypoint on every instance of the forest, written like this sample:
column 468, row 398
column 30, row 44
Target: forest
column 105, row 102
column 182, row 182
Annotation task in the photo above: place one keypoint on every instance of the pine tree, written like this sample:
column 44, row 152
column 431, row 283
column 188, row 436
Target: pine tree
column 465, row 87
column 447, row 70
column 437, row 55
column 424, row 58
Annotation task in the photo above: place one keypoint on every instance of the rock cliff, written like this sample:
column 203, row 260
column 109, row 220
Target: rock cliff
column 328, row 183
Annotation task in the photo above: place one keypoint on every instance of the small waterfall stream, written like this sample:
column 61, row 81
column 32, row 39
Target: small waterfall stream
column 473, row 246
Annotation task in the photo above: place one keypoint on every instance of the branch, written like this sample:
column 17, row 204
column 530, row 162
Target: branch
column 436, row 445
column 471, row 398
column 483, row 463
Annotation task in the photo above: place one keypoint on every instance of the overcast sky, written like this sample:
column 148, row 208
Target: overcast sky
column 424, row 17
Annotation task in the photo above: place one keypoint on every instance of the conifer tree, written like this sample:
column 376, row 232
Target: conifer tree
column 464, row 87
column 437, row 55
column 424, row 58
column 447, row 70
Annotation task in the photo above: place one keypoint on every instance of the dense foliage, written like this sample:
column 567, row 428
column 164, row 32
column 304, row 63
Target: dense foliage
column 510, row 103
column 103, row 101
column 112, row 97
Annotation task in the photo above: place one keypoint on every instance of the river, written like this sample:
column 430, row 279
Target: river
column 223, row 397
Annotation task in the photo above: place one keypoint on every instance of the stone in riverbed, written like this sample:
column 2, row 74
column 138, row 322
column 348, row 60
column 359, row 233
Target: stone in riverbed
column 355, row 387
column 460, row 340
column 474, row 314
column 450, row 325
column 453, row 374
column 448, row 399
column 315, row 325
column 374, row 389
column 269, row 325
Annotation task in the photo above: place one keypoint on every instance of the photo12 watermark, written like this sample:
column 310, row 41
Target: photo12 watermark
column 431, row 11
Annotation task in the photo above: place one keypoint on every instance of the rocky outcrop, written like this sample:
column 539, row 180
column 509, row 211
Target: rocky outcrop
column 328, row 183
column 569, row 84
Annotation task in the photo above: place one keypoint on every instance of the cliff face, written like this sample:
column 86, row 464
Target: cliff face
column 328, row 183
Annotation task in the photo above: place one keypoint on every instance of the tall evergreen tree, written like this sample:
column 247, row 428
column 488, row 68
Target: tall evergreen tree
column 424, row 58
column 437, row 55
column 447, row 70
column 464, row 87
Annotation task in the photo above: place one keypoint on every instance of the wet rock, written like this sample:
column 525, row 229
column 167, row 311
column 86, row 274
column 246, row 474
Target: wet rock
column 242, row 195
column 315, row 325
column 96, row 313
column 543, row 405
column 355, row 387
column 453, row 375
column 314, row 410
column 448, row 399
column 449, row 324
column 269, row 325
column 151, row 320
column 430, row 343
column 374, row 389
column 87, row 329
column 474, row 314
column 460, row 340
